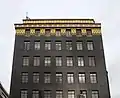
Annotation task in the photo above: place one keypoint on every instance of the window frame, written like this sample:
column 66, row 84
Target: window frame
column 47, row 77
column 59, row 77
column 36, row 77
column 69, row 46
column 69, row 61
column 80, row 61
column 70, row 78
column 24, row 77
column 82, row 77
column 93, row 77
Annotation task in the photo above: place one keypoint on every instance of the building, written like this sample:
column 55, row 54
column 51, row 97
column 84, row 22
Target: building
column 3, row 93
column 59, row 58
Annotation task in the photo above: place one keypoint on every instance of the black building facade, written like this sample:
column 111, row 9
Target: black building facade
column 59, row 58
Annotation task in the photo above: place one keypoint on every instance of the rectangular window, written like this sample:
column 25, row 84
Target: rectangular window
column 47, row 32
column 23, row 94
column 68, row 45
column 58, row 45
column 36, row 77
column 59, row 77
column 47, row 45
column 47, row 61
column 26, row 45
column 91, row 60
column 95, row 94
column 47, row 77
column 78, row 32
column 89, row 32
column 93, row 77
column 58, row 61
column 79, row 45
column 25, row 61
column 90, row 45
column 37, row 31
column 80, row 61
column 24, row 77
column 35, row 94
column 81, row 78
column 47, row 94
column 59, row 94
column 83, row 94
column 36, row 61
column 37, row 45
column 70, row 77
column 69, row 61
column 68, row 32
column 58, row 32
column 71, row 94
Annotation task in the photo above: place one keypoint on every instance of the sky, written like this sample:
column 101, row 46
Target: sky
column 103, row 11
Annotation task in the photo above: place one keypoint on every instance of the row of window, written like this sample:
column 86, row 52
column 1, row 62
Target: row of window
column 58, row 45
column 58, row 61
column 59, row 94
column 58, row 32
column 59, row 77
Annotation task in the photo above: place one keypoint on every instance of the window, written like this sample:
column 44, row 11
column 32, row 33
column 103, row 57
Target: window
column 69, row 61
column 80, row 61
column 95, row 94
column 93, row 77
column 35, row 94
column 89, row 32
column 47, row 94
column 58, row 61
column 90, row 45
column 59, row 77
column 58, row 32
column 47, row 77
column 23, row 94
column 25, row 61
column 37, row 31
column 27, row 31
column 78, row 32
column 81, row 77
column 24, row 77
column 59, row 94
column 47, row 32
column 47, row 45
column 79, row 45
column 69, row 45
column 37, row 45
column 47, row 61
column 36, row 77
column 68, row 32
column 26, row 45
column 58, row 45
column 36, row 61
column 83, row 94
column 91, row 60
column 71, row 94
column 70, row 77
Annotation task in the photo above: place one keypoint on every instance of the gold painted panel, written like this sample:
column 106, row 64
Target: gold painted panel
column 96, row 31
column 53, row 31
column 42, row 31
column 73, row 31
column 63, row 30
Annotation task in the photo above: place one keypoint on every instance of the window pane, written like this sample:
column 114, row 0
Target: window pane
column 47, row 94
column 93, row 77
column 36, row 77
column 24, row 94
column 47, row 45
column 95, row 94
column 58, row 45
column 68, row 45
column 58, row 61
column 47, row 78
column 47, row 61
column 89, row 31
column 83, row 94
column 81, row 77
column 59, row 77
column 79, row 45
column 80, row 61
column 36, row 61
column 37, row 45
column 35, row 94
column 71, row 94
column 58, row 32
column 25, row 61
column 47, row 32
column 91, row 61
column 78, row 32
column 70, row 77
column 26, row 45
column 24, row 77
column 68, row 32
column 69, row 61
column 90, row 45
column 59, row 94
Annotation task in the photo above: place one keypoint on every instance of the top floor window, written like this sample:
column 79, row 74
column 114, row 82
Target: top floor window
column 27, row 31
column 47, row 32
column 58, row 32
column 37, row 31
column 68, row 32
column 89, row 32
column 78, row 32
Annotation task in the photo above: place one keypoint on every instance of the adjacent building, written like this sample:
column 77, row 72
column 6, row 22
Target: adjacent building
column 3, row 93
column 59, row 58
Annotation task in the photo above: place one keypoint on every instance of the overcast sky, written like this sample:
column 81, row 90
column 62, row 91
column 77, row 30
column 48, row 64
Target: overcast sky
column 105, row 11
